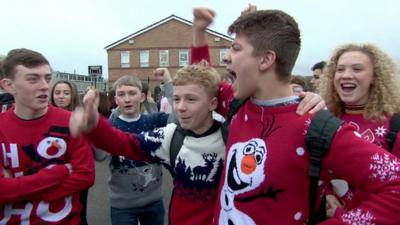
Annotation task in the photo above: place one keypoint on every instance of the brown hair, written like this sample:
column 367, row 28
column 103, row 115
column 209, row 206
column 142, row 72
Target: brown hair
column 104, row 107
column 384, row 93
column 300, row 80
column 24, row 57
column 201, row 74
column 271, row 30
column 128, row 80
column 75, row 100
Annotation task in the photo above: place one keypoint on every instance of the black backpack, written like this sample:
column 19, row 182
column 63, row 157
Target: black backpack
column 394, row 129
column 180, row 133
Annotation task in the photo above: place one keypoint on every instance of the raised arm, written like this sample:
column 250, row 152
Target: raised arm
column 99, row 131
column 202, row 18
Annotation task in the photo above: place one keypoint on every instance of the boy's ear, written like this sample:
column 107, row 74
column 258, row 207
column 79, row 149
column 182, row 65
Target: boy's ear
column 7, row 85
column 142, row 97
column 213, row 103
column 267, row 60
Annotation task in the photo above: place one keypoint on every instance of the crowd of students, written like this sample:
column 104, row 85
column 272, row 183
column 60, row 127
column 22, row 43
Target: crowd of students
column 251, row 169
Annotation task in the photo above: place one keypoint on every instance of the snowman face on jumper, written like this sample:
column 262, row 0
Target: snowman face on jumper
column 245, row 165
column 245, row 172
column 52, row 147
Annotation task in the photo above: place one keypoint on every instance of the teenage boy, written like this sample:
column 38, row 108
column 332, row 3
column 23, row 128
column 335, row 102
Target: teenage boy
column 317, row 72
column 198, row 164
column 265, row 178
column 6, row 99
column 135, row 185
column 37, row 151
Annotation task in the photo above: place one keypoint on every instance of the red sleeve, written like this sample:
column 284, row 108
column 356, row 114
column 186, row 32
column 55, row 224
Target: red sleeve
column 200, row 53
column 24, row 187
column 225, row 97
column 375, row 172
column 115, row 141
column 80, row 156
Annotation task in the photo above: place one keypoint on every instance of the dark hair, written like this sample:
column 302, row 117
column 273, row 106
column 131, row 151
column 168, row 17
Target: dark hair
column 1, row 69
column 145, row 88
column 300, row 80
column 104, row 107
column 24, row 57
column 271, row 30
column 319, row 65
column 75, row 99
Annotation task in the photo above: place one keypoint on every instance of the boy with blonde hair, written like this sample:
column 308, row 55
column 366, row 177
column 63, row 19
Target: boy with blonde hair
column 197, row 165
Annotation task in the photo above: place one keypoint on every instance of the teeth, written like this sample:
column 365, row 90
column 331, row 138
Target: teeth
column 348, row 85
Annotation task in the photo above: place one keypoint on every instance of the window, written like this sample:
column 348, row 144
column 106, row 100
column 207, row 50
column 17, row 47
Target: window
column 183, row 57
column 222, row 52
column 125, row 59
column 164, row 59
column 144, row 58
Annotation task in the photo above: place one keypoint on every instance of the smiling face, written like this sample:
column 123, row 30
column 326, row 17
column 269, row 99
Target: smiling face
column 194, row 106
column 353, row 77
column 244, row 66
column 245, row 165
column 128, row 98
column 30, row 88
column 62, row 95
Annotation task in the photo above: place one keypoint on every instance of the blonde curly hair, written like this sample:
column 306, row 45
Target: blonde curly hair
column 384, row 93
column 201, row 74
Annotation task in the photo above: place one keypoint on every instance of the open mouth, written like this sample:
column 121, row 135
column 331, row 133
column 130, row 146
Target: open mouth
column 231, row 72
column 348, row 87
column 43, row 97
column 234, row 181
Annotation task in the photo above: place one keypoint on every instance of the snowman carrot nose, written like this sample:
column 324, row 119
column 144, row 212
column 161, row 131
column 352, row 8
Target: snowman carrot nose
column 248, row 164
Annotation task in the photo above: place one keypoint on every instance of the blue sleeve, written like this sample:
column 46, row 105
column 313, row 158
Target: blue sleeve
column 151, row 141
column 159, row 119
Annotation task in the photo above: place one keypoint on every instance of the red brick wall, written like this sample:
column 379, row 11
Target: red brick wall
column 172, row 35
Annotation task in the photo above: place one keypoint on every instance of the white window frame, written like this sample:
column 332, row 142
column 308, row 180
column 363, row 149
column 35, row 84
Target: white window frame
column 164, row 58
column 183, row 53
column 222, row 52
column 144, row 58
column 125, row 59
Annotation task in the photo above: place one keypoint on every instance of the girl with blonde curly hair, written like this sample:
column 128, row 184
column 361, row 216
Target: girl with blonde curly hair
column 364, row 79
column 360, row 85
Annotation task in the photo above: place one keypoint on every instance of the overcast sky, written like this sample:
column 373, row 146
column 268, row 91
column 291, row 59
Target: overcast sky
column 72, row 34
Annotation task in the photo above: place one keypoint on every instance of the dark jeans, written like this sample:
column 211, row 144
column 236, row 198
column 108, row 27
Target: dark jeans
column 152, row 214
column 83, row 199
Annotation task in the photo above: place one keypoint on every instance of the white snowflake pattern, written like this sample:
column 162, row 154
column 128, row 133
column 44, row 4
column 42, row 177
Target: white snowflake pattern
column 349, row 195
column 380, row 131
column 357, row 217
column 306, row 124
column 384, row 168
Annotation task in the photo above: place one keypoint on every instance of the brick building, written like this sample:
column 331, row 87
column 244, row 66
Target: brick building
column 162, row 44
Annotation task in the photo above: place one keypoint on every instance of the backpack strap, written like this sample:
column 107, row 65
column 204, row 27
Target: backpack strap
column 394, row 128
column 234, row 107
column 319, row 136
column 176, row 145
